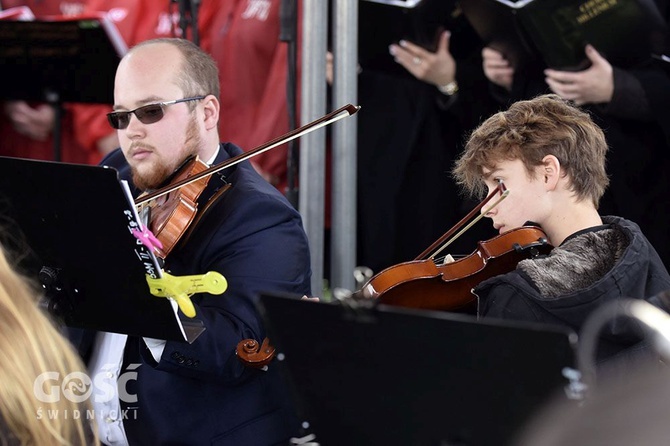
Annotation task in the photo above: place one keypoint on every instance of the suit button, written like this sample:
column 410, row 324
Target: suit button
column 175, row 355
column 189, row 362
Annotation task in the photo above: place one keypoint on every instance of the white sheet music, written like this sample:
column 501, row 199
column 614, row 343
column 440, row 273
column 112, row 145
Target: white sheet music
column 149, row 260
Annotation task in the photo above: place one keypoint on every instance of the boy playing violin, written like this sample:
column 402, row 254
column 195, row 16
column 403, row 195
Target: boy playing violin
column 550, row 155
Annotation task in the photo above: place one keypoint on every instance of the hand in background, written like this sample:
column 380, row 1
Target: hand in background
column 497, row 69
column 595, row 85
column 34, row 122
column 438, row 68
column 329, row 68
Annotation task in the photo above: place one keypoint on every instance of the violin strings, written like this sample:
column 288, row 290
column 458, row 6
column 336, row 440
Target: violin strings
column 469, row 225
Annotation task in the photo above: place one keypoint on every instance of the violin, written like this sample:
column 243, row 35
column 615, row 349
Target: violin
column 173, row 208
column 447, row 287
column 174, row 211
column 172, row 214
column 428, row 284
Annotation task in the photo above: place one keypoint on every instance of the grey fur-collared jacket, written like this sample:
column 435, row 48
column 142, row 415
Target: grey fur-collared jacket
column 588, row 269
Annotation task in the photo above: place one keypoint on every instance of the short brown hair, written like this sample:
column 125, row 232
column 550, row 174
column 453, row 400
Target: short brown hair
column 199, row 75
column 531, row 129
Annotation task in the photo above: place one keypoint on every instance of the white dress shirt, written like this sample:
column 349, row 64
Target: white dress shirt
column 105, row 367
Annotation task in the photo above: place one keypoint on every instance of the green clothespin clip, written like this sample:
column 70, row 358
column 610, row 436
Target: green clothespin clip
column 182, row 288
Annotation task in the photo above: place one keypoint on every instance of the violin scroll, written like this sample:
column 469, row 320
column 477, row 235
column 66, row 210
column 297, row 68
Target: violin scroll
column 255, row 355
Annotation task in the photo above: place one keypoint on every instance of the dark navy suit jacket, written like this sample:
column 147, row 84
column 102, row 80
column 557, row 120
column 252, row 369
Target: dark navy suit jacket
column 200, row 393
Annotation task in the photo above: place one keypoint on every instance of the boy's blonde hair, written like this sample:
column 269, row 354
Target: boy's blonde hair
column 529, row 130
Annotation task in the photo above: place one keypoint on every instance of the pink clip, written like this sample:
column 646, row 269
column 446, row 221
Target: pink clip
column 147, row 238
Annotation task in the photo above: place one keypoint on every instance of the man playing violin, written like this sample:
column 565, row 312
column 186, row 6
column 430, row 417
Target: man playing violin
column 166, row 110
column 550, row 155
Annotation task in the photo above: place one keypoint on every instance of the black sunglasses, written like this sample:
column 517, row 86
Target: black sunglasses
column 147, row 114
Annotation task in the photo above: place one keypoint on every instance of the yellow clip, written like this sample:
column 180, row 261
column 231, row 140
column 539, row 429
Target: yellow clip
column 181, row 288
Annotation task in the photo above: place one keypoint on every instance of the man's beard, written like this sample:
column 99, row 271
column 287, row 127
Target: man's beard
column 160, row 170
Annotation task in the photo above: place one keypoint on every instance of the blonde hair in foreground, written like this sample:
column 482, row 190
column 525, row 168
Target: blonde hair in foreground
column 29, row 346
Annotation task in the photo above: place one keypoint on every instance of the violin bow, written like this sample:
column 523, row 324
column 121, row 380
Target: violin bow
column 433, row 250
column 336, row 115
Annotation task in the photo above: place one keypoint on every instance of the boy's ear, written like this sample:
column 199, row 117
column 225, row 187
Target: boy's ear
column 551, row 171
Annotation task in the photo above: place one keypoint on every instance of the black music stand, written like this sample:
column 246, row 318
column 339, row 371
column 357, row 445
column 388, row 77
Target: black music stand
column 395, row 376
column 58, row 61
column 72, row 225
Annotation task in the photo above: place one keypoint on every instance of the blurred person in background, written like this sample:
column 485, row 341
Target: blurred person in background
column 251, row 42
column 26, row 127
column 413, row 120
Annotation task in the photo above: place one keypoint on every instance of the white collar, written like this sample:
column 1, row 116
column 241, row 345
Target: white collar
column 216, row 152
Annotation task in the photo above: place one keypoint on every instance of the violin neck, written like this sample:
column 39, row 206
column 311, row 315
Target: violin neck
column 461, row 227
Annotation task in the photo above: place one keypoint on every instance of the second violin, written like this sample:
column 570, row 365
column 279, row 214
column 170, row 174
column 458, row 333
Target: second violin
column 447, row 287
column 429, row 283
